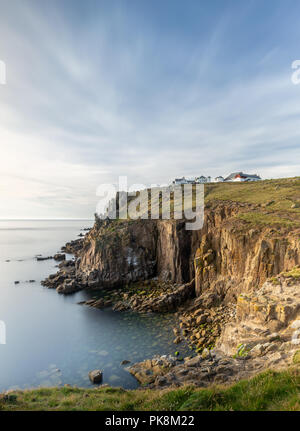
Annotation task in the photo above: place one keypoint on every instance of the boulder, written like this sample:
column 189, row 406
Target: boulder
column 295, row 324
column 257, row 350
column 125, row 362
column 95, row 376
column 59, row 257
column 68, row 286
column 201, row 319
column 194, row 362
column 296, row 337
column 39, row 259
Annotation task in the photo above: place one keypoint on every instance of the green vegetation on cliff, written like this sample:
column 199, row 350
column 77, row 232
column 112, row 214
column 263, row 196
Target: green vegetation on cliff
column 267, row 391
column 279, row 194
column 271, row 202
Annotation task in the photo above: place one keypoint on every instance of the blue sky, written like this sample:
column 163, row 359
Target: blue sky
column 148, row 89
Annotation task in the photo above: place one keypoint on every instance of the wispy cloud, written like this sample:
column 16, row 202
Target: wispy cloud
column 102, row 89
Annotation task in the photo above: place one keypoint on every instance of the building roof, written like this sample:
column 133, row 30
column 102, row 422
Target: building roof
column 242, row 175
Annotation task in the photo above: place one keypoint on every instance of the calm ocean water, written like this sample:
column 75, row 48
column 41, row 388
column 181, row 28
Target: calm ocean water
column 50, row 339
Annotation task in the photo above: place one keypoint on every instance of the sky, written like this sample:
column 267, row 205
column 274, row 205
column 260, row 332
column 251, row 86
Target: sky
column 147, row 89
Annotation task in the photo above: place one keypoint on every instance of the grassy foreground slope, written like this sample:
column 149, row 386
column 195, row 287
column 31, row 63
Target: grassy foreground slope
column 267, row 391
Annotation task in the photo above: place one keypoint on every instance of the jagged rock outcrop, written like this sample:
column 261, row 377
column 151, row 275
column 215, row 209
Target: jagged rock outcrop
column 164, row 371
column 118, row 253
column 160, row 304
column 65, row 280
column 272, row 309
column 73, row 247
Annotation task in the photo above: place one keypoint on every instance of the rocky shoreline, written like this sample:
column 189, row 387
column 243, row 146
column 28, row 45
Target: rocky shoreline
column 235, row 301
column 66, row 279
column 228, row 341
column 247, row 343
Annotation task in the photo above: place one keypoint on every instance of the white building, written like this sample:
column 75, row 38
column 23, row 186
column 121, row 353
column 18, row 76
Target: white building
column 197, row 180
column 201, row 180
column 182, row 180
column 234, row 177
column 178, row 181
column 241, row 177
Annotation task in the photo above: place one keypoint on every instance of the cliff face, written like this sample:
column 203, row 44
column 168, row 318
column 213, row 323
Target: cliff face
column 235, row 256
column 228, row 254
column 117, row 253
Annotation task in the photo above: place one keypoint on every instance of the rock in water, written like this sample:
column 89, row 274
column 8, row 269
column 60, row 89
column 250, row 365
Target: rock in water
column 59, row 257
column 125, row 362
column 68, row 286
column 95, row 376
column 40, row 259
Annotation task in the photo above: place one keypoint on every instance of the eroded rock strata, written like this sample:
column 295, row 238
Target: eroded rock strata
column 227, row 255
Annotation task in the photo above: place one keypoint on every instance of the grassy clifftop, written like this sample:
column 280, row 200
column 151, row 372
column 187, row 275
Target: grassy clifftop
column 267, row 391
column 272, row 202
column 278, row 194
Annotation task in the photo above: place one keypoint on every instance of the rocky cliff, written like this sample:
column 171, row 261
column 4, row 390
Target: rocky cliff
column 234, row 283
column 243, row 241
column 228, row 254
column 234, row 255
column 119, row 252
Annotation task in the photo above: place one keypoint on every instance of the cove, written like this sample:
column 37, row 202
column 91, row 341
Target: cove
column 50, row 339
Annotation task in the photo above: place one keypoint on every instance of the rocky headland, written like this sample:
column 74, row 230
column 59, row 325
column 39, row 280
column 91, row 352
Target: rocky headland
column 234, row 284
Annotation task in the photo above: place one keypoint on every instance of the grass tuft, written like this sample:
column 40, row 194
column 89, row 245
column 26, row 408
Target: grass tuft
column 267, row 391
